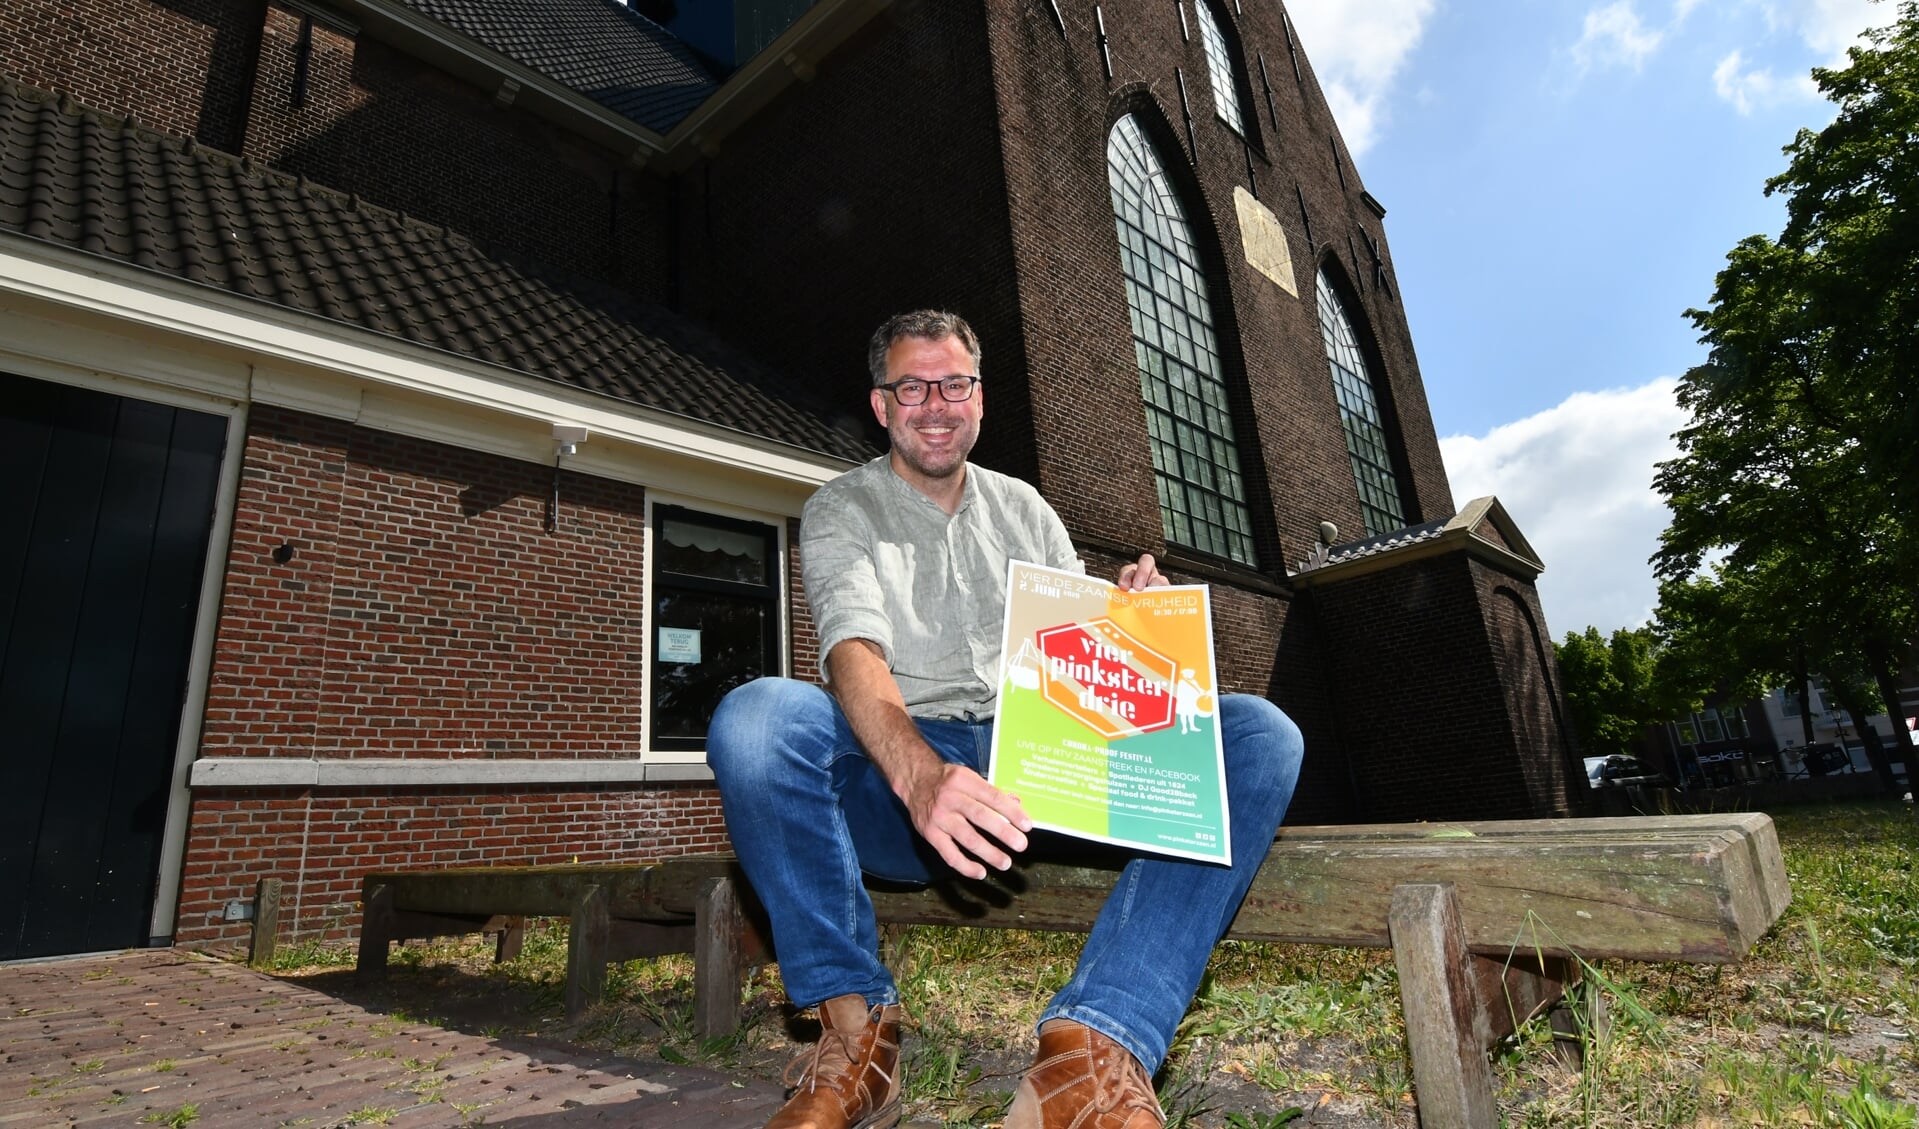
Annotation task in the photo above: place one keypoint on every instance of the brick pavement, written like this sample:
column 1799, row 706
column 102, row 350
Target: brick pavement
column 134, row 1038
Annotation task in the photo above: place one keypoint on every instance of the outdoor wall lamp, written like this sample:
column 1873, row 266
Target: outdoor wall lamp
column 567, row 438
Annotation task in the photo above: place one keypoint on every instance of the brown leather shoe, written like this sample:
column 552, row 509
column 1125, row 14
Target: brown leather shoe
column 850, row 1079
column 1083, row 1080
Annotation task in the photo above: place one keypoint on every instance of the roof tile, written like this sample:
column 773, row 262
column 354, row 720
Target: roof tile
column 99, row 184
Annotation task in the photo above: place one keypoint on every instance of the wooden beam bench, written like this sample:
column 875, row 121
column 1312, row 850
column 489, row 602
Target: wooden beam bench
column 1488, row 922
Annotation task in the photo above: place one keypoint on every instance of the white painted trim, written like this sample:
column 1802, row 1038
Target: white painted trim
column 39, row 366
column 388, row 772
column 696, row 758
column 329, row 368
column 193, row 704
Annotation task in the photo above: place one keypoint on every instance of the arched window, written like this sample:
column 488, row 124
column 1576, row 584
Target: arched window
column 1220, row 69
column 1359, row 416
column 1202, row 497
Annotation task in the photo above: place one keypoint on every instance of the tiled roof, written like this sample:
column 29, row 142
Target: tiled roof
column 600, row 48
column 73, row 177
column 1386, row 542
column 1323, row 556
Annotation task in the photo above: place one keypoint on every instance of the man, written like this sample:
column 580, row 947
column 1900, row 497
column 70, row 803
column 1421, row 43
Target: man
column 904, row 561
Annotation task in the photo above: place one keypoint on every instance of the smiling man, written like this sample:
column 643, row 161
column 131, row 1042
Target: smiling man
column 882, row 772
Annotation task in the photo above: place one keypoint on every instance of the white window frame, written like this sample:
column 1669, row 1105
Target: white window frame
column 695, row 759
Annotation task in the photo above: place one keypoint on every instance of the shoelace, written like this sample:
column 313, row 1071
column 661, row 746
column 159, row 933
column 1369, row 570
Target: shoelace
column 814, row 1062
column 1124, row 1088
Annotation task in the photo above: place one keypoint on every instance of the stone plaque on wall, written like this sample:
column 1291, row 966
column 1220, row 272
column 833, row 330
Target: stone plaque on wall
column 1266, row 247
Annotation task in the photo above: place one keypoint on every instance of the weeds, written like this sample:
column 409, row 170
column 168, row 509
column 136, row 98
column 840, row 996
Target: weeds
column 1812, row 1029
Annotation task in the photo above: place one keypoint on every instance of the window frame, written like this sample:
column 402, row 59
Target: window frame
column 777, row 592
column 1388, row 466
column 1204, row 502
column 1221, row 49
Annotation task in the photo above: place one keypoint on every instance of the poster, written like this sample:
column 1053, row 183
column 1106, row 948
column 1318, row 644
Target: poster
column 1108, row 724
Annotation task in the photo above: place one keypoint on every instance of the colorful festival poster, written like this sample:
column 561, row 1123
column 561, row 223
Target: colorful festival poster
column 1108, row 724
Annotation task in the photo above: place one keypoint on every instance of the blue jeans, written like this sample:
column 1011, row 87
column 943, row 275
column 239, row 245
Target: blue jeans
column 808, row 812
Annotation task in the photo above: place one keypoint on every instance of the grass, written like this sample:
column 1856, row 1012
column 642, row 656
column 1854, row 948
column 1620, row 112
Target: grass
column 1814, row 1028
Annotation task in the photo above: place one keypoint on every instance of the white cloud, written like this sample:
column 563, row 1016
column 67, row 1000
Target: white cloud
column 1747, row 87
column 1358, row 48
column 1577, row 478
column 1826, row 27
column 1615, row 36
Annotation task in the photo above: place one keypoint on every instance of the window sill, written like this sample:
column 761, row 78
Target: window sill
column 424, row 772
column 1223, row 572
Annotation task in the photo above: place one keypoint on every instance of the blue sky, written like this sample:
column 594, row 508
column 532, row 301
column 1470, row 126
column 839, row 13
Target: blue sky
column 1563, row 180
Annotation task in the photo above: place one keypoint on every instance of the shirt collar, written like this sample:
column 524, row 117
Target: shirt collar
column 969, row 490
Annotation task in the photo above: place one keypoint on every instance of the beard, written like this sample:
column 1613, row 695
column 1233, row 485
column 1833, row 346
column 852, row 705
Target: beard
column 934, row 461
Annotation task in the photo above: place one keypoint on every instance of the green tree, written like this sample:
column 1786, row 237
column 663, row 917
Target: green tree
column 1617, row 688
column 1796, row 484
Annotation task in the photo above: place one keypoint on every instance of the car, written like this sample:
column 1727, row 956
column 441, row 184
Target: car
column 1621, row 767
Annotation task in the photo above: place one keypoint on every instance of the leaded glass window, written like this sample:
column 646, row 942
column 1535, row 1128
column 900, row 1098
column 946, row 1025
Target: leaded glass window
column 1219, row 67
column 1359, row 417
column 1202, row 496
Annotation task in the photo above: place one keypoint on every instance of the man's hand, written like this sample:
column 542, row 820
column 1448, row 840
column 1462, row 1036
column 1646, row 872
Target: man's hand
column 967, row 820
column 1141, row 575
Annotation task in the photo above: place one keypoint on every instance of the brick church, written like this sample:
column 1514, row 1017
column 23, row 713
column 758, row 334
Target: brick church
column 409, row 405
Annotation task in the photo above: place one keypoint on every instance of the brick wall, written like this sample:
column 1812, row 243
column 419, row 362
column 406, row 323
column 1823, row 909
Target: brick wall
column 320, row 844
column 184, row 67
column 1446, row 710
column 423, row 611
column 1528, row 671
column 1410, row 655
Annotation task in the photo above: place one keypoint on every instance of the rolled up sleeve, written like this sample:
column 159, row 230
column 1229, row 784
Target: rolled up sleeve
column 842, row 584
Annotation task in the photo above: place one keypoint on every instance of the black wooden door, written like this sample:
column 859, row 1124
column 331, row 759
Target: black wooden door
column 106, row 505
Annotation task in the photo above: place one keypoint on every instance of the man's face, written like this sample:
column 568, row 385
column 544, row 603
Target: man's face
column 931, row 439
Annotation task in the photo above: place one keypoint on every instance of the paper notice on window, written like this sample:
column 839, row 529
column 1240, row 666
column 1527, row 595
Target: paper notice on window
column 679, row 645
column 1108, row 725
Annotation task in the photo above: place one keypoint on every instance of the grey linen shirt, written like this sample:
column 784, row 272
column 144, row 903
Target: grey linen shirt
column 883, row 562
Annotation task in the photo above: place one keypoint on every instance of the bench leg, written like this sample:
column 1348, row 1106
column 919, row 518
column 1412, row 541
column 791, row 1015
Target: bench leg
column 718, row 924
column 510, row 937
column 266, row 923
column 1438, row 994
column 586, row 952
column 1577, row 1026
column 376, row 930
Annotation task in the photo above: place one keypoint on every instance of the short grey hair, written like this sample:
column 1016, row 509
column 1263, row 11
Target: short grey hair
column 928, row 325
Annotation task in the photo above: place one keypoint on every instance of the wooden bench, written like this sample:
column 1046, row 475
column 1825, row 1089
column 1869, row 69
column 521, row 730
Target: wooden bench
column 1488, row 922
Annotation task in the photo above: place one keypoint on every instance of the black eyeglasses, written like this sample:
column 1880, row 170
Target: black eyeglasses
column 912, row 390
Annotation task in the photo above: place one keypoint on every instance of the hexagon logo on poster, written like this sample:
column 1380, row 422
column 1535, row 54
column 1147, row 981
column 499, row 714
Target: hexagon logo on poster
column 1105, row 679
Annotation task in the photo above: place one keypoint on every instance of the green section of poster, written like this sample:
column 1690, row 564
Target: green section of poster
column 1107, row 725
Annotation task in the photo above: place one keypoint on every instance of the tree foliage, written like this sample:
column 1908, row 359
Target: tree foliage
column 1616, row 688
column 1795, row 490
